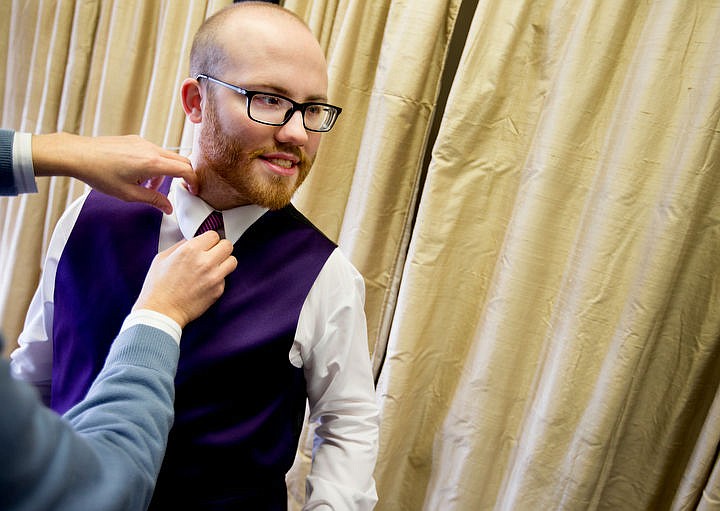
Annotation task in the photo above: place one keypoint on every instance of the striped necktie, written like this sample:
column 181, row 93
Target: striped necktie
column 214, row 222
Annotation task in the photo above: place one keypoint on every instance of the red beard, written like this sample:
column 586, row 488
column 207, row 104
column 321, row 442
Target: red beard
column 226, row 159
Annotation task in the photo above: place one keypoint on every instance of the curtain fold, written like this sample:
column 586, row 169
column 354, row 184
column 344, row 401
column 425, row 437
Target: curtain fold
column 543, row 291
column 31, row 100
column 88, row 67
column 556, row 338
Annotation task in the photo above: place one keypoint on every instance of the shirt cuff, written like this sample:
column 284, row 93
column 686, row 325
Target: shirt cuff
column 23, row 169
column 154, row 319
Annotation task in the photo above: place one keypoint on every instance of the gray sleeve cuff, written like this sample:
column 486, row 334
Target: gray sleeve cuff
column 17, row 174
column 7, row 177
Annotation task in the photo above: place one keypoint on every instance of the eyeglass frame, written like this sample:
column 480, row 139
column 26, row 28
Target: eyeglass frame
column 296, row 107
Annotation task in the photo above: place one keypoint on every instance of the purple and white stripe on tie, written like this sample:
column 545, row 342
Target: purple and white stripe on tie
column 214, row 222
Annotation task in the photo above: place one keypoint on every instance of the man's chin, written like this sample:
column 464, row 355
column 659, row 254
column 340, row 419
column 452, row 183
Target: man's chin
column 273, row 197
column 276, row 192
column 276, row 202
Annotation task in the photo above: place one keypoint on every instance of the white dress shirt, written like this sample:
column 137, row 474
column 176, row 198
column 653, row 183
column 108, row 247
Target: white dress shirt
column 330, row 345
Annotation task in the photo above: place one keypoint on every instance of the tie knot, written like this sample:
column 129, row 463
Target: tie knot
column 213, row 222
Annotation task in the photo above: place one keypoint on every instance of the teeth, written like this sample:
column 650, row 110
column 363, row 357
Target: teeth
column 282, row 163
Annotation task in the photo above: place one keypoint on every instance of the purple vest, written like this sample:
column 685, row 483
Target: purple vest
column 239, row 402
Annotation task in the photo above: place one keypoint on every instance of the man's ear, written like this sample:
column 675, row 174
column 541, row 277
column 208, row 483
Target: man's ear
column 191, row 96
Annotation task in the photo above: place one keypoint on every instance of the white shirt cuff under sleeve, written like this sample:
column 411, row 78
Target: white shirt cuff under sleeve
column 154, row 319
column 23, row 170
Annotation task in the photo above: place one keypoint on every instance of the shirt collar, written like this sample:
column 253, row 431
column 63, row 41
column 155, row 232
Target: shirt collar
column 190, row 211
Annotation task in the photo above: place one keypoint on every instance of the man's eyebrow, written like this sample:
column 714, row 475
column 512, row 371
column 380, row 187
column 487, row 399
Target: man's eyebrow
column 320, row 98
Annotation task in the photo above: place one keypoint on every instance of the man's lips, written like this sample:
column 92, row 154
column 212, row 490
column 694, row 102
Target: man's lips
column 283, row 164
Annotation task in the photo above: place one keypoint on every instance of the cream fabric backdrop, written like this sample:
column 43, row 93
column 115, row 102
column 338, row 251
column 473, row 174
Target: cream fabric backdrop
column 88, row 67
column 543, row 300
column 556, row 334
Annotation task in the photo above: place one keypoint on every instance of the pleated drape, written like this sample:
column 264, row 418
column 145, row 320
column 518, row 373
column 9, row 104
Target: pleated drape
column 88, row 67
column 553, row 334
column 537, row 222
column 556, row 339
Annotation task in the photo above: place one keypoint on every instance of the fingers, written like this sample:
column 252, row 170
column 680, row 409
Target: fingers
column 206, row 240
column 223, row 253
column 175, row 168
column 174, row 165
column 192, row 185
column 228, row 265
column 163, row 162
column 202, row 243
column 218, row 250
column 185, row 279
column 137, row 193
column 167, row 153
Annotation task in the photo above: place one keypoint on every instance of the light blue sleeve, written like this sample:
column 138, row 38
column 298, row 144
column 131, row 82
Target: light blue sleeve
column 17, row 174
column 104, row 453
column 7, row 178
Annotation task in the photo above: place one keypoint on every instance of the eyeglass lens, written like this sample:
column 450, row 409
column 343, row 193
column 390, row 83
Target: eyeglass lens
column 276, row 110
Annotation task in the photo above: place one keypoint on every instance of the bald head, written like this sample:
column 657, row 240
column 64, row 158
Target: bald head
column 229, row 26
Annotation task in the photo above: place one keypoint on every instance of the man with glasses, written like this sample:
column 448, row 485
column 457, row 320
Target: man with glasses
column 290, row 326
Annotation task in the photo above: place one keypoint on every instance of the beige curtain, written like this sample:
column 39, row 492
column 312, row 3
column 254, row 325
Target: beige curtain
column 553, row 336
column 530, row 188
column 88, row 67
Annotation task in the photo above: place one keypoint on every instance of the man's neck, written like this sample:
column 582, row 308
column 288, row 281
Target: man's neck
column 217, row 193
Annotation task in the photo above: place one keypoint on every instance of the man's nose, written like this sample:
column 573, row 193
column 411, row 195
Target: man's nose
column 293, row 131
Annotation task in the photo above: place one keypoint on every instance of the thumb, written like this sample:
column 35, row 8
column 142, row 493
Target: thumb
column 154, row 198
column 169, row 251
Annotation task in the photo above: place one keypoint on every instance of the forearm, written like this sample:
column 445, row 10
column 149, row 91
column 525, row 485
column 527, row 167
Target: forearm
column 57, row 154
column 106, row 452
column 24, row 156
column 127, row 167
column 128, row 412
column 346, row 440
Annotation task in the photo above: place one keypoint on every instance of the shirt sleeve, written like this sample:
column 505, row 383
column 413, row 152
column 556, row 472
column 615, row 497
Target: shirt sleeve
column 107, row 449
column 332, row 343
column 32, row 360
column 17, row 174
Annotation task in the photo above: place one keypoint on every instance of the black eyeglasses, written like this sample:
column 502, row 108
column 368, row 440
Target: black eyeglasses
column 276, row 110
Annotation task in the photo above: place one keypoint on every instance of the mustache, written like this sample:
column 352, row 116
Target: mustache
column 303, row 159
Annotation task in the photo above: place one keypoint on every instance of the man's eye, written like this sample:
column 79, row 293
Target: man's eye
column 314, row 110
column 269, row 100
